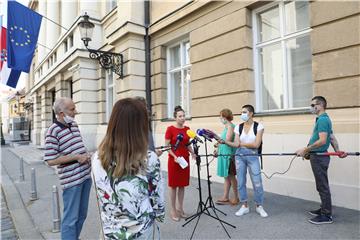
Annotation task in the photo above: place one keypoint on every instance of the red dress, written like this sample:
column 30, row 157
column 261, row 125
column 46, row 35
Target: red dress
column 178, row 177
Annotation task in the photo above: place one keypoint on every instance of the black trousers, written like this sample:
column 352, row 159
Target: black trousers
column 320, row 165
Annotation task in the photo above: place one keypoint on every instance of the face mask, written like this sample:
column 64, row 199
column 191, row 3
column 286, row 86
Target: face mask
column 223, row 121
column 313, row 110
column 244, row 117
column 68, row 119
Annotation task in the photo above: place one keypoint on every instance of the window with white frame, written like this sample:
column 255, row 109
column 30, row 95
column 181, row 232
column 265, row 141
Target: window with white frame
column 109, row 93
column 282, row 55
column 110, row 5
column 178, row 77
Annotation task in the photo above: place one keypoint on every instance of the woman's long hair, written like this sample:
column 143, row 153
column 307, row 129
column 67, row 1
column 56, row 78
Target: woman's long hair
column 124, row 147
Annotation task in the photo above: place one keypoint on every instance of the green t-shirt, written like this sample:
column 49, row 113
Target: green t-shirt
column 323, row 124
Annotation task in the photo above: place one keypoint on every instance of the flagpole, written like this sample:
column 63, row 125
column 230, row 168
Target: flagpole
column 44, row 46
column 55, row 22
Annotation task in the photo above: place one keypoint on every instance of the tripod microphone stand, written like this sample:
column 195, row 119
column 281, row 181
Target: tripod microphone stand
column 209, row 203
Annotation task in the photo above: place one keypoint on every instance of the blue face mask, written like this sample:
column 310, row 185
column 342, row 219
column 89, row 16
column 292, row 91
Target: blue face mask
column 244, row 117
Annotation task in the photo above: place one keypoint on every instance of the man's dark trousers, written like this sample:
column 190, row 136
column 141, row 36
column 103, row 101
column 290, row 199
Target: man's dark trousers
column 320, row 165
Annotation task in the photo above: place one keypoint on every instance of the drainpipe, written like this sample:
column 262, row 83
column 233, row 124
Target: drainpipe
column 147, row 56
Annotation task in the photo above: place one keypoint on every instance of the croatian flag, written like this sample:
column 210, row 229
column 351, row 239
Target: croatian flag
column 8, row 76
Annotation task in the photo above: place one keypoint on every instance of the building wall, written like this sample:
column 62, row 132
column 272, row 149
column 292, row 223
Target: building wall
column 222, row 76
column 16, row 107
column 63, row 67
column 67, row 71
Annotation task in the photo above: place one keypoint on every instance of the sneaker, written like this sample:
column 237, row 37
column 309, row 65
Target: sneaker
column 315, row 212
column 321, row 219
column 242, row 211
column 260, row 210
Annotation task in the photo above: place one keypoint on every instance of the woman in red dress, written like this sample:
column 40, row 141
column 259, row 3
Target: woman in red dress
column 178, row 178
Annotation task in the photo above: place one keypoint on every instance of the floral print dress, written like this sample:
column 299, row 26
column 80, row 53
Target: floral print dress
column 129, row 205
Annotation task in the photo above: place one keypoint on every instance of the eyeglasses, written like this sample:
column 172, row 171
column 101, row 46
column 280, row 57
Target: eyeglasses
column 313, row 105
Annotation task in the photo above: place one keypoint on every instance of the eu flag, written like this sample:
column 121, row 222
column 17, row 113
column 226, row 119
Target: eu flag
column 22, row 35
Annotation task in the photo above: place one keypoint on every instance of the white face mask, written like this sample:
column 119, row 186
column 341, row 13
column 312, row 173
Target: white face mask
column 68, row 119
column 244, row 117
column 313, row 110
column 223, row 120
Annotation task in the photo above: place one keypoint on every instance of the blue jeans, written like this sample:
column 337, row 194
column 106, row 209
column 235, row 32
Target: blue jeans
column 242, row 164
column 76, row 201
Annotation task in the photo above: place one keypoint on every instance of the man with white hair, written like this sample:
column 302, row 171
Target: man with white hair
column 65, row 149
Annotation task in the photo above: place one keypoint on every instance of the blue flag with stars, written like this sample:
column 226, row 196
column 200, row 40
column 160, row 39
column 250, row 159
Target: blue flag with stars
column 22, row 35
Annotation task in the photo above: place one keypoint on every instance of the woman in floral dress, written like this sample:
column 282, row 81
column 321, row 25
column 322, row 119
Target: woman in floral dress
column 127, row 176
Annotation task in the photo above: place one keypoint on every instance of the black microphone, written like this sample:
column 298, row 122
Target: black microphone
column 179, row 138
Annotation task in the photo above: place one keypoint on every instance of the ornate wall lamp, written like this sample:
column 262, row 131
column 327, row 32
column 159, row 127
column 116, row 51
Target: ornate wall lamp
column 108, row 60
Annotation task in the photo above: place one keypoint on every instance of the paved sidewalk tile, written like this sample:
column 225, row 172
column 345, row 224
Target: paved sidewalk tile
column 29, row 153
column 8, row 230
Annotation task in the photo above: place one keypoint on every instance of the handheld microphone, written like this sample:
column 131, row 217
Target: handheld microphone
column 179, row 138
column 202, row 132
column 192, row 135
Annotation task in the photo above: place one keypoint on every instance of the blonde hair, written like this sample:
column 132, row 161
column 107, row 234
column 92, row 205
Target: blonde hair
column 123, row 151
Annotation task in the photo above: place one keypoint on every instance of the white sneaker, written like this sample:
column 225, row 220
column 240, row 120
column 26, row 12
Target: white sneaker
column 242, row 211
column 260, row 210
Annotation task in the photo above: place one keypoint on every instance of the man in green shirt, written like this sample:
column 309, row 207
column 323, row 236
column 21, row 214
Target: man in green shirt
column 320, row 141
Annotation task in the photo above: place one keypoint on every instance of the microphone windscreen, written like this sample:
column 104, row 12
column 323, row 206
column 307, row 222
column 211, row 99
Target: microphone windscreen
column 200, row 132
column 180, row 136
column 191, row 133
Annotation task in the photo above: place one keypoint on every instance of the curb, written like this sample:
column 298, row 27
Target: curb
column 23, row 222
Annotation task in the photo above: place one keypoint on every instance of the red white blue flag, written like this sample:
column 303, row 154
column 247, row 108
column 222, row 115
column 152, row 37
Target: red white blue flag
column 8, row 76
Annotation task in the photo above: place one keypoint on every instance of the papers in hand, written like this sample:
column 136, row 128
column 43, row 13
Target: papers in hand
column 182, row 162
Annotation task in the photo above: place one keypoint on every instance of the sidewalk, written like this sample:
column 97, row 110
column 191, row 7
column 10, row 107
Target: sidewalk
column 287, row 216
column 8, row 230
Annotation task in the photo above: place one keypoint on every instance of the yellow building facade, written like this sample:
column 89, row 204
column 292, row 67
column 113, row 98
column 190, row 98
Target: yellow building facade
column 210, row 55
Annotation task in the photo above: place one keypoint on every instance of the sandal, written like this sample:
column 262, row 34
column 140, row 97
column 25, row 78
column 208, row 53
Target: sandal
column 222, row 201
column 174, row 218
column 183, row 214
column 234, row 202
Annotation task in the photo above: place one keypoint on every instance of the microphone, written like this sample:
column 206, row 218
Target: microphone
column 202, row 132
column 179, row 138
column 208, row 134
column 192, row 135
column 212, row 134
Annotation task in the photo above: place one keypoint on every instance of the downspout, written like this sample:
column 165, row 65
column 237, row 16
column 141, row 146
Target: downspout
column 147, row 56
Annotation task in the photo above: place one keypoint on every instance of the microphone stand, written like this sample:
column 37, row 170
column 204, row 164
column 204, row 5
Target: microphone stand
column 201, row 204
column 209, row 203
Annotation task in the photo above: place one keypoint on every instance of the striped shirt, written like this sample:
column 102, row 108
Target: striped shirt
column 62, row 140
